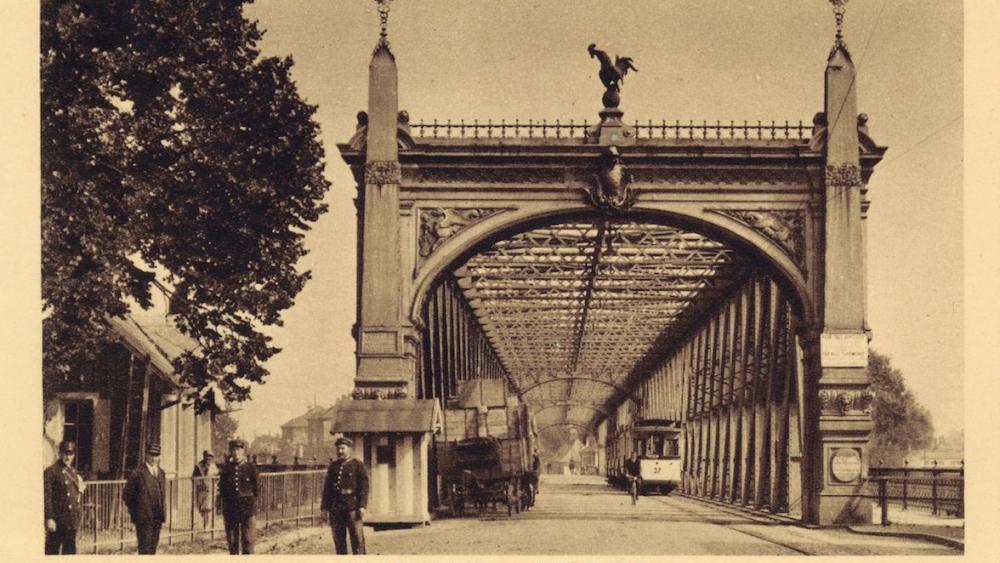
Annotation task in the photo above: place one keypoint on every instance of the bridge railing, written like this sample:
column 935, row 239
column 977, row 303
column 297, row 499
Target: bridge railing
column 720, row 131
column 535, row 129
column 939, row 490
column 193, row 510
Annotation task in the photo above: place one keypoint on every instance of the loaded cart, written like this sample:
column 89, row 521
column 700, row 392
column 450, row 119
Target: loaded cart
column 484, row 477
column 484, row 454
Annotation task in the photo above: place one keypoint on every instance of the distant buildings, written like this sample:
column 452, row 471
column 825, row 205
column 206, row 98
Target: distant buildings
column 310, row 434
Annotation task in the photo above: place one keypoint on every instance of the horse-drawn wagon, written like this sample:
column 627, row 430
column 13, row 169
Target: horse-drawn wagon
column 484, row 455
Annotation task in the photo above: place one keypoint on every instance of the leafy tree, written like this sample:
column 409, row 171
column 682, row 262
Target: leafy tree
column 171, row 147
column 223, row 430
column 269, row 445
column 901, row 423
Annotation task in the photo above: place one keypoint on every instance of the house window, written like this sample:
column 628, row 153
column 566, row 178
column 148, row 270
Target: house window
column 78, row 426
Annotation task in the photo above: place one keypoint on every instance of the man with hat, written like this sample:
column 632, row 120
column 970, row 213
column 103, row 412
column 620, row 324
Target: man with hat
column 345, row 496
column 204, row 473
column 238, row 487
column 63, row 498
column 145, row 497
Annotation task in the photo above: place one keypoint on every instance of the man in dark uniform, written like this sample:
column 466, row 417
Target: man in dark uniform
column 345, row 496
column 63, row 497
column 239, row 488
column 145, row 497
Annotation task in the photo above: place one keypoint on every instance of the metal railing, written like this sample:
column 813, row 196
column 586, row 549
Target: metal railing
column 531, row 129
column 290, row 496
column 543, row 129
column 939, row 490
column 720, row 131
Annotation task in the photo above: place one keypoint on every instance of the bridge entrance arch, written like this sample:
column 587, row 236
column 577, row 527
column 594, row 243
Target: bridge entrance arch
column 708, row 274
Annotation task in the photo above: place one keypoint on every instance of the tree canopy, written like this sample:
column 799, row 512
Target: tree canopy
column 900, row 422
column 224, row 429
column 171, row 148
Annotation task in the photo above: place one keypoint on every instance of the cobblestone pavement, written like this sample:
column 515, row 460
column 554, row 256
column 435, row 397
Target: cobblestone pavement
column 582, row 516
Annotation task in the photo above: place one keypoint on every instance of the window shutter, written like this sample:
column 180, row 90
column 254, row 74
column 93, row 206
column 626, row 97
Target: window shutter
column 102, row 436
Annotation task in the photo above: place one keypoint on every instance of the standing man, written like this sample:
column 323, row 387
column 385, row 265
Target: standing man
column 204, row 473
column 145, row 497
column 63, row 498
column 345, row 496
column 239, row 488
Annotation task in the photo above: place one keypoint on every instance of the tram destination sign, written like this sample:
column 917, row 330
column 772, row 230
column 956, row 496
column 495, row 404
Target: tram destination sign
column 843, row 350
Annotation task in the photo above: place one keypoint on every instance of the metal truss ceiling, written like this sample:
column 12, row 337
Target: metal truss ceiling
column 583, row 303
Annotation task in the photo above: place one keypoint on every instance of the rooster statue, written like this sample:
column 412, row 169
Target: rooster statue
column 611, row 74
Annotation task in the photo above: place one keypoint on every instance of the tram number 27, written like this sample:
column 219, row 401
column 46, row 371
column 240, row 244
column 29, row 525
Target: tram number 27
column 656, row 469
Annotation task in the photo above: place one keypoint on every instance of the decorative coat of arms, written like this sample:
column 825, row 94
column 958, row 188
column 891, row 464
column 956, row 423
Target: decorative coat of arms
column 612, row 190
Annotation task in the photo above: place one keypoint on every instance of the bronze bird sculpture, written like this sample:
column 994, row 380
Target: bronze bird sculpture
column 611, row 74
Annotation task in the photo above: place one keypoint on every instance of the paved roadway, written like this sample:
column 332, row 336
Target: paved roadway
column 578, row 515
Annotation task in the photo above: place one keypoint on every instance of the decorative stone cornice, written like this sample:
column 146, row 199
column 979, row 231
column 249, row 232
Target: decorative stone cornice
column 784, row 227
column 843, row 175
column 490, row 175
column 382, row 172
column 438, row 224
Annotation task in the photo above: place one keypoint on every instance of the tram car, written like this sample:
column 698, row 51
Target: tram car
column 658, row 445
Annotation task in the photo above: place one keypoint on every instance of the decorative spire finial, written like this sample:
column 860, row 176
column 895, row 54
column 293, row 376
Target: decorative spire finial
column 838, row 14
column 383, row 14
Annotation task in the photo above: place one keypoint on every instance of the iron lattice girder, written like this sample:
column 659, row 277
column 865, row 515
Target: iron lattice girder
column 590, row 300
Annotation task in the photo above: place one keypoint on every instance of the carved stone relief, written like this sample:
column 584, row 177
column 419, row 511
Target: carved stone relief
column 378, row 393
column 843, row 175
column 842, row 403
column 382, row 172
column 786, row 228
column 438, row 224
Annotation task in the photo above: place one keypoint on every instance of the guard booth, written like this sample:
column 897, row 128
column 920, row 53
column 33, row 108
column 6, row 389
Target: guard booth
column 393, row 438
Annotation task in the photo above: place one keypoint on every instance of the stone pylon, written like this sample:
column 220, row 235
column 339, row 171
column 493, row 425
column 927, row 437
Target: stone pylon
column 838, row 421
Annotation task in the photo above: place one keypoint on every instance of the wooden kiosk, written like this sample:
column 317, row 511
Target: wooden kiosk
column 393, row 438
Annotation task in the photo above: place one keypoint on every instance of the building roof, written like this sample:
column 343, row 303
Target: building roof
column 156, row 337
column 390, row 415
column 302, row 421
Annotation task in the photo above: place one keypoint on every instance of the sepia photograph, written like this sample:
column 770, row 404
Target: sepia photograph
column 474, row 278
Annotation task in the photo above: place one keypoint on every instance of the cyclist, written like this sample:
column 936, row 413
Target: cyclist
column 632, row 474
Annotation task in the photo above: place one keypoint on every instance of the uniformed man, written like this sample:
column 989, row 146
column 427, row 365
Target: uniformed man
column 239, row 488
column 145, row 497
column 63, row 499
column 345, row 496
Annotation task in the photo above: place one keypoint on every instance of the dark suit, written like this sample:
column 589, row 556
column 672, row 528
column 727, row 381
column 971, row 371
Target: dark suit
column 63, row 503
column 344, row 492
column 145, row 497
column 239, row 488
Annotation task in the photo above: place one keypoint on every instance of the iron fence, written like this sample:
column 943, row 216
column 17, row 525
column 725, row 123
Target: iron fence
column 939, row 490
column 543, row 129
column 193, row 510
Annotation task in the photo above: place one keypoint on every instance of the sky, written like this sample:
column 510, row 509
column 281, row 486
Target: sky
column 710, row 59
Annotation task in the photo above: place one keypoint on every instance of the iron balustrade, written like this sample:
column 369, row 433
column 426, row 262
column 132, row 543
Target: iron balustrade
column 941, row 490
column 720, row 131
column 543, row 129
column 285, row 497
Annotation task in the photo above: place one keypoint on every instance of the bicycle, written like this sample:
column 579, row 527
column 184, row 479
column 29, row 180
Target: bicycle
column 633, row 488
